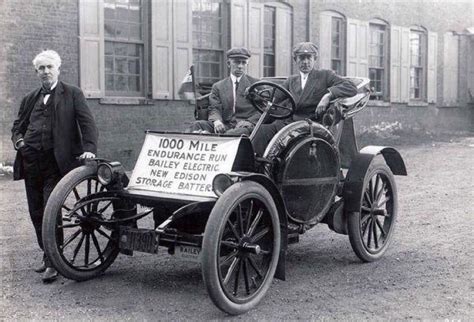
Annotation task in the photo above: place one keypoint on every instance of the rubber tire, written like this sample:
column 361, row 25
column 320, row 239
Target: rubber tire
column 215, row 226
column 53, row 206
column 353, row 220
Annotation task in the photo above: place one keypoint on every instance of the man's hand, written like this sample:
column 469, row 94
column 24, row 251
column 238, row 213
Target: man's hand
column 244, row 124
column 219, row 126
column 87, row 155
column 322, row 106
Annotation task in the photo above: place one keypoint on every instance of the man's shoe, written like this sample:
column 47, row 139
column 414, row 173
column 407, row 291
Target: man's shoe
column 41, row 269
column 50, row 275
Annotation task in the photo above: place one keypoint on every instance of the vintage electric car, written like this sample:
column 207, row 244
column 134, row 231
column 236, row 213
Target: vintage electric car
column 213, row 201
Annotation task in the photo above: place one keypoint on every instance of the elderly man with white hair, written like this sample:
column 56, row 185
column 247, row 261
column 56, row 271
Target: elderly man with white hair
column 53, row 131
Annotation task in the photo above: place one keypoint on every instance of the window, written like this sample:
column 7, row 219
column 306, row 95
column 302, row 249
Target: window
column 337, row 45
column 269, row 42
column 378, row 60
column 124, row 47
column 417, row 63
column 209, row 37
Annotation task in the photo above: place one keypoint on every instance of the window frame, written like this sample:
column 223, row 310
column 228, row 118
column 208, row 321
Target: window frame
column 422, row 49
column 342, row 43
column 385, row 94
column 267, row 68
column 143, row 76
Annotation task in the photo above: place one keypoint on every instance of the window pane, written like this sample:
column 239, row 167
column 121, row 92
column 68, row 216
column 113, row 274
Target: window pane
column 377, row 60
column 208, row 46
column 123, row 24
column 269, row 42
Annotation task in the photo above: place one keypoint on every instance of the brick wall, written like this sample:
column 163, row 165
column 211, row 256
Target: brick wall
column 26, row 28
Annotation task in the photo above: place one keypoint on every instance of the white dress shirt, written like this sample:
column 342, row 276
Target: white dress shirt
column 46, row 97
column 304, row 78
column 234, row 79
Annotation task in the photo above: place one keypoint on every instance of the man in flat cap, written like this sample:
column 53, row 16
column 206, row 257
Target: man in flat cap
column 312, row 89
column 230, row 111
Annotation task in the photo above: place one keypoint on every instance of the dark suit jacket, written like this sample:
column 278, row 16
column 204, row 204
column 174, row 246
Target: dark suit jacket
column 319, row 82
column 221, row 102
column 74, row 128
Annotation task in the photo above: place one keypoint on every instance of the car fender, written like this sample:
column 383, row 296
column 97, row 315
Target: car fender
column 270, row 186
column 354, row 181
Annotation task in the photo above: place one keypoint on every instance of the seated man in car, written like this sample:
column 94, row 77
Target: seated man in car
column 312, row 89
column 230, row 111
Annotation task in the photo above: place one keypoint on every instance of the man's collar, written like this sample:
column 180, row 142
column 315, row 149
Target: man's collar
column 234, row 78
column 303, row 75
column 54, row 85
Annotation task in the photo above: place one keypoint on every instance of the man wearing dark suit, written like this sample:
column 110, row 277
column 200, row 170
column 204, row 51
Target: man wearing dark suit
column 230, row 111
column 53, row 130
column 312, row 89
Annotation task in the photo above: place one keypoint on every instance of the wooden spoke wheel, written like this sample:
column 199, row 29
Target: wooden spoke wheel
column 371, row 229
column 78, row 246
column 241, row 247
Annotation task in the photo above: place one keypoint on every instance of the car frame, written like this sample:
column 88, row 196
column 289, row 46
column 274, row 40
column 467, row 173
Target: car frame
column 310, row 173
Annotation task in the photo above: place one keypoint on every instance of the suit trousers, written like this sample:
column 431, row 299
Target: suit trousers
column 265, row 133
column 41, row 176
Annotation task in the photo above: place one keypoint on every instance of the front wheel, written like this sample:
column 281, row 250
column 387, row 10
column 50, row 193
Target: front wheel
column 241, row 247
column 76, row 244
column 371, row 229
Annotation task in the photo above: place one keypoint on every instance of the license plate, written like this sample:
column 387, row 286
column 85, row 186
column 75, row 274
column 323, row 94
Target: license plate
column 141, row 240
column 188, row 253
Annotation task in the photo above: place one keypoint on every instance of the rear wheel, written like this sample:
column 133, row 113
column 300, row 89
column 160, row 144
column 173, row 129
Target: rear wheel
column 371, row 229
column 79, row 247
column 241, row 247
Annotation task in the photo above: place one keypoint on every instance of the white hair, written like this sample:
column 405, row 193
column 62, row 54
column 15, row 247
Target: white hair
column 50, row 54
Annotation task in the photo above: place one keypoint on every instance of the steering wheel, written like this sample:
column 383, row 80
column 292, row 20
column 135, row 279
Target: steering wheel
column 262, row 94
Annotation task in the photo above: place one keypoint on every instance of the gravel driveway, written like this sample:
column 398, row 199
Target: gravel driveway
column 426, row 274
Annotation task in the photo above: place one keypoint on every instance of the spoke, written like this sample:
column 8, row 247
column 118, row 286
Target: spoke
column 255, row 268
column 228, row 258
column 379, row 193
column 71, row 238
column 97, row 247
column 241, row 220
column 232, row 228
column 260, row 234
column 364, row 229
column 255, row 222
column 365, row 208
column 246, row 276
column 231, row 270
column 100, row 211
column 66, row 207
column 96, row 185
column 230, row 244
column 371, row 190
column 236, row 279
column 76, row 250
column 249, row 216
column 376, row 192
column 380, row 227
column 102, row 188
column 273, row 94
column 383, row 202
column 88, row 246
column 369, row 236
column 105, row 235
column 367, row 198
column 76, row 194
column 374, row 229
column 364, row 219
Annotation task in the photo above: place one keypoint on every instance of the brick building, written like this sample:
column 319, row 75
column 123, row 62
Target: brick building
column 129, row 56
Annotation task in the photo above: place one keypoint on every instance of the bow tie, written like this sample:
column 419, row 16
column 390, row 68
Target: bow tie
column 46, row 91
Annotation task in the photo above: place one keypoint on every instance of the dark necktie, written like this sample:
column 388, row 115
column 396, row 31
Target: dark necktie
column 235, row 94
column 46, row 91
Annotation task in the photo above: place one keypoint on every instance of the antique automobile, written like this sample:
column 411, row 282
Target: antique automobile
column 213, row 201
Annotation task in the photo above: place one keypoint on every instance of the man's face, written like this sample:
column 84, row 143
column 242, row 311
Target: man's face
column 47, row 71
column 237, row 66
column 305, row 62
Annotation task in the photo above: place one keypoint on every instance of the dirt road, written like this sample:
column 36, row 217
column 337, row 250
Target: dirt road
column 426, row 274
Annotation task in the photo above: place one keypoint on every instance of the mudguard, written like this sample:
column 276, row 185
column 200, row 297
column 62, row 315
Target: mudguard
column 270, row 186
column 354, row 181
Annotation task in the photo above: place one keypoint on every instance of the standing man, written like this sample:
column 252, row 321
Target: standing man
column 230, row 111
column 54, row 129
column 312, row 89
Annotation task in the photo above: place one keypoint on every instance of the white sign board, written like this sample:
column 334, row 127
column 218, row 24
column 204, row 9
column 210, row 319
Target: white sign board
column 182, row 164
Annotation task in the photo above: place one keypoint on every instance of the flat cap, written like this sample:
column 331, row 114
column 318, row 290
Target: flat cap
column 238, row 52
column 305, row 48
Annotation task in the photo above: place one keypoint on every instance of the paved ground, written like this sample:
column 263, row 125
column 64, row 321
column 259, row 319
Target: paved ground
column 426, row 274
